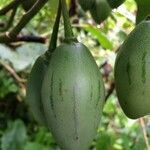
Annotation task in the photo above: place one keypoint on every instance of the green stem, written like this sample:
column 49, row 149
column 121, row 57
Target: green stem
column 67, row 24
column 53, row 41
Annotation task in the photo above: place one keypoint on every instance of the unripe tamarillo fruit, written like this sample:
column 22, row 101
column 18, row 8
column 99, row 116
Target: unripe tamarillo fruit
column 73, row 96
column 86, row 4
column 132, row 72
column 100, row 11
column 27, row 4
column 115, row 3
column 143, row 10
column 34, row 86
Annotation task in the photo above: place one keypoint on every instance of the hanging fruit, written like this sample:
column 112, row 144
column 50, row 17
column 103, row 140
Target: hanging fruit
column 115, row 3
column 72, row 92
column 100, row 11
column 143, row 11
column 132, row 73
column 86, row 4
column 36, row 77
column 27, row 4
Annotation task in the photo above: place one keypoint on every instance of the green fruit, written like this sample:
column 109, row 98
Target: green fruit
column 132, row 73
column 37, row 74
column 143, row 10
column 34, row 87
column 27, row 4
column 73, row 96
column 86, row 4
column 100, row 11
column 115, row 3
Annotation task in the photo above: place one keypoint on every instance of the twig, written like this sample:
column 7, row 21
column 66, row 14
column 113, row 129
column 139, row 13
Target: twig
column 10, row 36
column 73, row 8
column 103, row 64
column 12, row 72
column 142, row 123
column 31, row 38
column 110, row 91
column 8, row 7
column 11, row 19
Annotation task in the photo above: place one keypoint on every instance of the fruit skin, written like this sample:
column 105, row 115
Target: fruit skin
column 34, row 86
column 73, row 96
column 115, row 3
column 86, row 4
column 27, row 4
column 132, row 73
column 143, row 10
column 100, row 11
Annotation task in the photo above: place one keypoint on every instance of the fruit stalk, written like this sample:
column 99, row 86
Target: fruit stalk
column 67, row 24
column 53, row 41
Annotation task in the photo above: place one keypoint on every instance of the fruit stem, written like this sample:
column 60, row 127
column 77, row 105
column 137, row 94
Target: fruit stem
column 53, row 41
column 67, row 24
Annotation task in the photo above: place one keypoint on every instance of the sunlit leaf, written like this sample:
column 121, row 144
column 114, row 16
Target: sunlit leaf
column 100, row 36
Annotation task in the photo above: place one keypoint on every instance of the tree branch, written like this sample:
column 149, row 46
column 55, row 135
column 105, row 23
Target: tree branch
column 10, row 36
column 8, row 7
column 10, row 21
column 142, row 123
column 31, row 38
column 110, row 91
column 12, row 72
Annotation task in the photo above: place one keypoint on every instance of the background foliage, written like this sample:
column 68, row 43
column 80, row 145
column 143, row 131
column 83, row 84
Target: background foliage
column 18, row 130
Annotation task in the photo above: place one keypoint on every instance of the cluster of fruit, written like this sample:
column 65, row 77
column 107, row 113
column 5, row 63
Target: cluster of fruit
column 65, row 88
column 100, row 9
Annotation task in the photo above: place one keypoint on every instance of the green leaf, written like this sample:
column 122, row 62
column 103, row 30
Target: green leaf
column 104, row 142
column 100, row 36
column 7, row 85
column 35, row 146
column 15, row 136
column 24, row 55
column 27, row 54
column 43, row 136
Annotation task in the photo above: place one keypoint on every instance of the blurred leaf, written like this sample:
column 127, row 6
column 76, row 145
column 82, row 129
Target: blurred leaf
column 6, row 53
column 24, row 56
column 103, row 142
column 100, row 36
column 110, row 106
column 140, row 145
column 27, row 54
column 35, row 146
column 15, row 136
column 122, row 35
column 7, row 85
column 126, row 142
column 44, row 136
